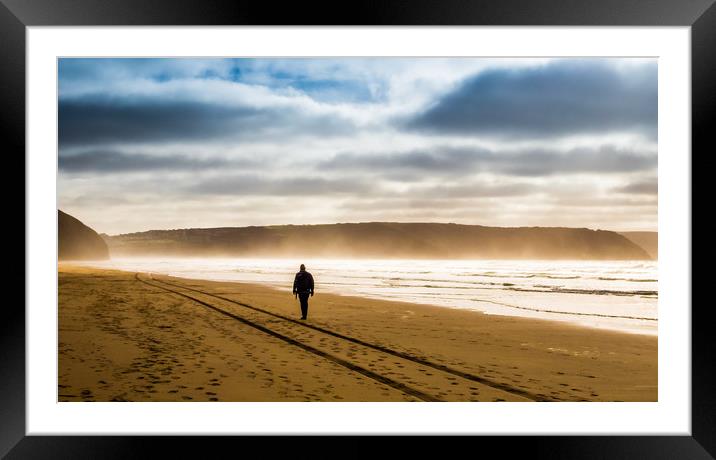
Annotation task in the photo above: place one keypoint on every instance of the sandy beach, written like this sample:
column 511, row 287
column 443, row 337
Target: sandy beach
column 140, row 337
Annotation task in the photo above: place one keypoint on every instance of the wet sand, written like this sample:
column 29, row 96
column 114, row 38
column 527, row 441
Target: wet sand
column 141, row 337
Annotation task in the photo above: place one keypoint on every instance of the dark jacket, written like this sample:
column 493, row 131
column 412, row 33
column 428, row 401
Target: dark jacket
column 303, row 283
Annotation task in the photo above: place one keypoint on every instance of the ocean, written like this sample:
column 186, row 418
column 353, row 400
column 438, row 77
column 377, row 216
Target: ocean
column 615, row 295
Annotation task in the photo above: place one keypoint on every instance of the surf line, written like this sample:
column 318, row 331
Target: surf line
column 441, row 367
column 342, row 362
column 540, row 310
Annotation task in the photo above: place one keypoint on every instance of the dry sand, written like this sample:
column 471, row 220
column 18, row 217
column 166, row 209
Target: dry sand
column 125, row 337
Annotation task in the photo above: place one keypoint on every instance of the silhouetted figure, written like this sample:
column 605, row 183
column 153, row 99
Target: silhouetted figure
column 303, row 287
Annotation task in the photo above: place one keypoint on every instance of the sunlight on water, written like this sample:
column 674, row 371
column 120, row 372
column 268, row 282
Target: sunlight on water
column 616, row 295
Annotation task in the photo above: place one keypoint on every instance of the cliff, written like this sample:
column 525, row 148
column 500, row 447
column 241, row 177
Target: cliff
column 76, row 241
column 382, row 240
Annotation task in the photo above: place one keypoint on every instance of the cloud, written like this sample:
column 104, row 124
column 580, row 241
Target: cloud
column 440, row 161
column 91, row 121
column 103, row 161
column 605, row 160
column 256, row 141
column 650, row 187
column 474, row 190
column 558, row 99
column 80, row 70
column 252, row 185
column 466, row 161
column 328, row 80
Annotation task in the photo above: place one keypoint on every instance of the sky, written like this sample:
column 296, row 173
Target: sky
column 198, row 143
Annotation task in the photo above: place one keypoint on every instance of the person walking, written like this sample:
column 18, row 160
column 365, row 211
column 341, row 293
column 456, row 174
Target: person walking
column 303, row 287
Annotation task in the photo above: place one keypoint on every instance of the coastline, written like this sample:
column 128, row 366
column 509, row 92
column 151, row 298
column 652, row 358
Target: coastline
column 126, row 337
column 587, row 294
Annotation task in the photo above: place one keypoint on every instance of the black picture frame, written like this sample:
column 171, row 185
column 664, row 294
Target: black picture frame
column 699, row 15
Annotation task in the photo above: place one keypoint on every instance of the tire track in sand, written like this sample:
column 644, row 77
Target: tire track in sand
column 444, row 384
column 351, row 366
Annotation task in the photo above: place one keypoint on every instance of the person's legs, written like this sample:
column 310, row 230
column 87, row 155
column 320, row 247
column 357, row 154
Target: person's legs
column 304, row 305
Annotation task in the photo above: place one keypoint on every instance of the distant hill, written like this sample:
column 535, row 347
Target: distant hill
column 649, row 241
column 76, row 241
column 381, row 240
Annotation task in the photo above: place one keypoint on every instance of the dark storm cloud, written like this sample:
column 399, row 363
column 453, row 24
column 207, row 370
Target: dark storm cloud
column 251, row 185
column 461, row 162
column 118, row 162
column 96, row 120
column 561, row 98
column 650, row 187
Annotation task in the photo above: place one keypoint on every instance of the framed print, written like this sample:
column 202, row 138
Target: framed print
column 487, row 212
